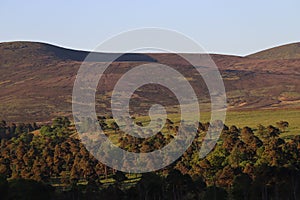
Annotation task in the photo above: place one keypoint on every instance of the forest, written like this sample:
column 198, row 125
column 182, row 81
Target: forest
column 48, row 161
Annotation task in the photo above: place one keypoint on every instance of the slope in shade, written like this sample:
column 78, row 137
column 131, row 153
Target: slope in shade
column 36, row 49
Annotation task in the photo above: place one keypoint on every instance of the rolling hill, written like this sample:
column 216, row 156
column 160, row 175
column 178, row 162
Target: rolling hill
column 36, row 80
column 288, row 51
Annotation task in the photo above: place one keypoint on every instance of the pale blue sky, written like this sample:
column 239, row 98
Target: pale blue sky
column 230, row 27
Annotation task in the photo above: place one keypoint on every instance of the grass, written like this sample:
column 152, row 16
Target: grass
column 251, row 119
column 265, row 117
column 238, row 118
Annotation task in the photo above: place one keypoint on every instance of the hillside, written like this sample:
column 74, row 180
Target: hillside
column 36, row 81
column 27, row 52
column 288, row 51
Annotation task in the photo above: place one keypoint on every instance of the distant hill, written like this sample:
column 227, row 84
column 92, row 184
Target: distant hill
column 36, row 80
column 288, row 51
column 26, row 52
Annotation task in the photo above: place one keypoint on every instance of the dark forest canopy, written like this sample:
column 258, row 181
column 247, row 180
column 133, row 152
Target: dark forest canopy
column 49, row 162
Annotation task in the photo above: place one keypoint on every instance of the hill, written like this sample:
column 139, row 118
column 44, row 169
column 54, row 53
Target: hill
column 36, row 81
column 27, row 52
column 288, row 51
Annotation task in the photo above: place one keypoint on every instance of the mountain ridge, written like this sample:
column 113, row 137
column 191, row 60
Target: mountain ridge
column 60, row 53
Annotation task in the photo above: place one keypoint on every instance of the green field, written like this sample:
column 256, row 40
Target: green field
column 266, row 117
column 252, row 119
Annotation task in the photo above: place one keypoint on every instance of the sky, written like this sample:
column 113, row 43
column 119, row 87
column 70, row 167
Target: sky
column 227, row 27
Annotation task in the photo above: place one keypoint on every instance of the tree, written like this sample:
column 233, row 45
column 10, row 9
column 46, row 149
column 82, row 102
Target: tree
column 283, row 125
column 2, row 129
column 240, row 186
column 178, row 185
column 217, row 158
column 119, row 177
column 103, row 124
column 74, row 175
column 46, row 130
column 92, row 188
column 114, row 126
column 65, row 179
column 150, row 186
column 28, row 189
column 225, row 176
column 111, row 193
column 214, row 193
column 273, row 131
column 3, row 186
column 250, row 139
column 61, row 122
column 4, row 167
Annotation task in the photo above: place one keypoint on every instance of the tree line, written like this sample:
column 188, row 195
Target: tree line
column 245, row 164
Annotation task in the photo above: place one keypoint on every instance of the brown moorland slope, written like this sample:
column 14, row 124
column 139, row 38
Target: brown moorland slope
column 36, row 80
column 288, row 51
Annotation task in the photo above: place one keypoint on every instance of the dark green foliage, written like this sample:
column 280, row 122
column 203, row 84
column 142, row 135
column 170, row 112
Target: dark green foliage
column 214, row 193
column 240, row 186
column 61, row 122
column 119, row 176
column 114, row 126
column 243, row 165
column 3, row 187
column 150, row 186
column 22, row 189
